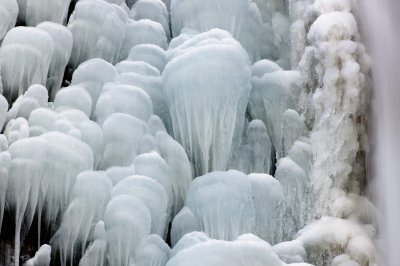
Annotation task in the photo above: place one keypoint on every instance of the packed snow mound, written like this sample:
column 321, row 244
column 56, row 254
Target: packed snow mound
column 240, row 17
column 245, row 250
column 208, row 115
column 8, row 14
column 243, row 206
column 34, row 48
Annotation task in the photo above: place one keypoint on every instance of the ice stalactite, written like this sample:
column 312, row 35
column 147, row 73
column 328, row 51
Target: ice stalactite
column 207, row 138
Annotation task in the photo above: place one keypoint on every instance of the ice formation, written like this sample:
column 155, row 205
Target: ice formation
column 35, row 48
column 208, row 136
column 184, row 132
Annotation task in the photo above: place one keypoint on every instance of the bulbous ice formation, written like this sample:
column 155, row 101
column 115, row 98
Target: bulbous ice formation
column 34, row 48
column 240, row 17
column 98, row 30
column 245, row 250
column 34, row 12
column 62, row 39
column 9, row 14
column 92, row 75
column 151, row 9
column 240, row 204
column 144, row 31
column 207, row 84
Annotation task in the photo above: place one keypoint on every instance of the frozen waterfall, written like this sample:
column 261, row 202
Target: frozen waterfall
column 196, row 132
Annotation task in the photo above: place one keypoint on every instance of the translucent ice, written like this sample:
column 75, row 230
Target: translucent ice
column 193, row 81
column 34, row 48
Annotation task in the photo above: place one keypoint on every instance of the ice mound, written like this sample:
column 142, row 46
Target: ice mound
column 72, row 122
column 153, row 252
column 125, row 99
column 92, row 75
column 154, row 196
column 144, row 31
column 122, row 136
column 240, row 17
column 38, row 182
column 150, row 53
column 193, row 80
column 245, row 250
column 9, row 14
column 151, row 9
column 127, row 222
column 151, row 86
column 35, row 97
column 241, row 207
column 90, row 195
column 73, row 97
column 62, row 39
column 34, row 48
column 98, row 30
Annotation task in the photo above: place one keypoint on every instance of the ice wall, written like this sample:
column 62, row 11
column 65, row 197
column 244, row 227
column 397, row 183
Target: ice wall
column 106, row 121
